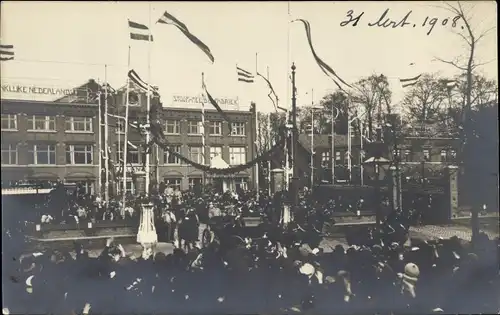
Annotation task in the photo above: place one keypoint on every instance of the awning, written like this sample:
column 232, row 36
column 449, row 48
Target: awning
column 80, row 177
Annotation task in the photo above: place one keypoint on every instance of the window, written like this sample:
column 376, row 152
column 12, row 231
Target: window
column 175, row 183
column 427, row 155
column 325, row 159
column 346, row 157
column 42, row 123
column 172, row 127
column 241, row 183
column 193, row 182
column 87, row 187
column 9, row 122
column 215, row 128
column 170, row 158
column 79, row 124
column 337, row 156
column 9, row 154
column 237, row 155
column 196, row 154
column 42, row 154
column 215, row 151
column 194, row 127
column 238, row 129
column 407, row 156
column 133, row 154
column 444, row 155
column 129, row 187
column 79, row 154
column 120, row 127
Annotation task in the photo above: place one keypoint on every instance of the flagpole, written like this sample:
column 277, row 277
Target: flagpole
column 269, row 146
column 148, row 108
column 106, row 135
column 257, row 132
column 287, row 118
column 99, row 191
column 125, row 141
column 202, row 131
column 361, row 156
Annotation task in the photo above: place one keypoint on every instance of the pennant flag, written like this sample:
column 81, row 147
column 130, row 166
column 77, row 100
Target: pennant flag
column 244, row 76
column 324, row 67
column 272, row 94
column 141, row 84
column 139, row 31
column 6, row 52
column 409, row 81
column 167, row 18
column 215, row 105
column 130, row 144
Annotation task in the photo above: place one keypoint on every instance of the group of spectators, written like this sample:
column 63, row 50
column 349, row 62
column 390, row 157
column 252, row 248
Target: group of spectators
column 262, row 275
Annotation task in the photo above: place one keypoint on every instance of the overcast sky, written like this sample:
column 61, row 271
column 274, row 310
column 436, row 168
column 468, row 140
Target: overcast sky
column 63, row 44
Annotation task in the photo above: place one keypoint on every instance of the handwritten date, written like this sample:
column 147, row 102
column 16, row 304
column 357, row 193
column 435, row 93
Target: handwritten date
column 385, row 21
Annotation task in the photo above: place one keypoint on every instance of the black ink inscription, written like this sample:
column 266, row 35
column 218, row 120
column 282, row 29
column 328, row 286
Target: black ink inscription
column 351, row 19
column 385, row 21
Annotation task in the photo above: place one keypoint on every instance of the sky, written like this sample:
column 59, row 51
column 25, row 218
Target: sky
column 64, row 44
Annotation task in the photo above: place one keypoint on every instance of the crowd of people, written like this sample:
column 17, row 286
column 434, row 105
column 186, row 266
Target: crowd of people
column 268, row 274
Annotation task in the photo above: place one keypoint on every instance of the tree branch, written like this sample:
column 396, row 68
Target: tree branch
column 451, row 63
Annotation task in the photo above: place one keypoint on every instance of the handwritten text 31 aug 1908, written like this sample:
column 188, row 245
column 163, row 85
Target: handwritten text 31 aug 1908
column 384, row 21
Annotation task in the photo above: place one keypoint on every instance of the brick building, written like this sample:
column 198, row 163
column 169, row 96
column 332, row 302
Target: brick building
column 45, row 141
column 417, row 147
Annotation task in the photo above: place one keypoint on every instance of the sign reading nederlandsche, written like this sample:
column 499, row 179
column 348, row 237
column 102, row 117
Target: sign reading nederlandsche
column 23, row 89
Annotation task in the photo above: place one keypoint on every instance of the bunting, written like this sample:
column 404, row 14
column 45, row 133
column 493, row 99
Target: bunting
column 139, row 31
column 244, row 76
column 323, row 66
column 6, row 52
column 167, row 18
column 409, row 81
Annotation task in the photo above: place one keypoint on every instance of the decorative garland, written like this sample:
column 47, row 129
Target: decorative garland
column 159, row 139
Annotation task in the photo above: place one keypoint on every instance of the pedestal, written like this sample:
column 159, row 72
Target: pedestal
column 146, row 236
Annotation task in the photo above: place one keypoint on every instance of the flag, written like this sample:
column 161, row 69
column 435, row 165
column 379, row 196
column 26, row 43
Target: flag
column 130, row 144
column 215, row 105
column 323, row 66
column 167, row 18
column 409, row 81
column 139, row 31
column 141, row 84
column 244, row 76
column 6, row 52
column 450, row 83
column 272, row 94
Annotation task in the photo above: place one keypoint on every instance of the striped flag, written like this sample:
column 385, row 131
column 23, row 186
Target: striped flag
column 6, row 52
column 141, row 84
column 215, row 105
column 139, row 31
column 167, row 18
column 244, row 76
column 323, row 66
column 409, row 81
column 450, row 83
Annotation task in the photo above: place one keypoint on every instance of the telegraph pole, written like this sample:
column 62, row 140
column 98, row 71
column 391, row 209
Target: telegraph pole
column 295, row 176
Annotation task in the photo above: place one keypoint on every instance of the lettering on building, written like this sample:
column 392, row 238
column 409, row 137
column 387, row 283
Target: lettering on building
column 204, row 99
column 23, row 89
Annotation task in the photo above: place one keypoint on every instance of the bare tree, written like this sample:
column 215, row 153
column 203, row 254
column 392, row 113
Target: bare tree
column 269, row 124
column 425, row 100
column 374, row 95
column 467, row 66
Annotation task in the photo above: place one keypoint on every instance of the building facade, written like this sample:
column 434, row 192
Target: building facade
column 48, row 141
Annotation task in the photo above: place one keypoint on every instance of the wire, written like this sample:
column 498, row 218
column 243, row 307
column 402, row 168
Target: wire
column 67, row 62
